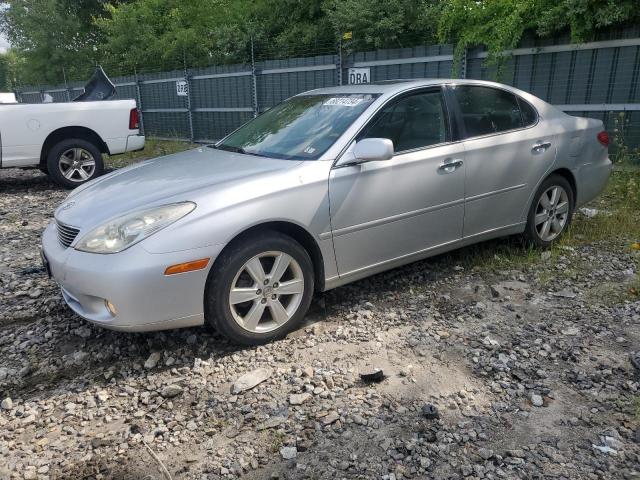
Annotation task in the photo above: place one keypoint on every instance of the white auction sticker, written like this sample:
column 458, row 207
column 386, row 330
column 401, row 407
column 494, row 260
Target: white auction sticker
column 344, row 101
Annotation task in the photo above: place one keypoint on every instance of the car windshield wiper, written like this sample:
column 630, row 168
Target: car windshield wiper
column 231, row 148
column 228, row 148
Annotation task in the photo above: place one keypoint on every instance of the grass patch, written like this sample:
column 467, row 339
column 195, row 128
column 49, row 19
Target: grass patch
column 152, row 149
column 618, row 214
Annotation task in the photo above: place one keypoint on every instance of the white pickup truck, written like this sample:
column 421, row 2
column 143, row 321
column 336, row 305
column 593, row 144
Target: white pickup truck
column 67, row 140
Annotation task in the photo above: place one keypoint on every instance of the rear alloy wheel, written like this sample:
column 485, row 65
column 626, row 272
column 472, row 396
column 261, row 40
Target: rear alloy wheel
column 550, row 212
column 259, row 289
column 73, row 162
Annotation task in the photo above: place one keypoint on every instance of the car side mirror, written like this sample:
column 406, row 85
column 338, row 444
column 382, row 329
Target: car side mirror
column 368, row 150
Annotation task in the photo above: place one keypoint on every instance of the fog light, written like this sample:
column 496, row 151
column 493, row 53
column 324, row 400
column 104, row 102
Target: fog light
column 111, row 307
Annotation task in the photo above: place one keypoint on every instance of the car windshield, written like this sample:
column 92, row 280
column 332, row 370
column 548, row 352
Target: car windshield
column 301, row 128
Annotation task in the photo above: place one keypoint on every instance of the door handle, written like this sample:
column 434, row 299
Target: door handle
column 540, row 147
column 450, row 165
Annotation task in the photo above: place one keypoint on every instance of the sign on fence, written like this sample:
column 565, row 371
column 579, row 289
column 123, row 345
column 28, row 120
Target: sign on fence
column 182, row 88
column 359, row 75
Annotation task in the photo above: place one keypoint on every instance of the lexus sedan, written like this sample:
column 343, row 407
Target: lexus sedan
column 328, row 187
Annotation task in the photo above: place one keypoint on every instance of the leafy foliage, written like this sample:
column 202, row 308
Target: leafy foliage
column 501, row 24
column 52, row 34
column 8, row 67
column 384, row 23
column 48, row 36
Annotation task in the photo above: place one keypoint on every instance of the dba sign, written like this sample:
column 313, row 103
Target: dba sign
column 359, row 75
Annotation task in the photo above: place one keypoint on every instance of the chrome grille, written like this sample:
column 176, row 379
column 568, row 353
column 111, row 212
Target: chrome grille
column 66, row 233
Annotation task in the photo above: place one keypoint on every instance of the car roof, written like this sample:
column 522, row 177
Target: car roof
column 394, row 86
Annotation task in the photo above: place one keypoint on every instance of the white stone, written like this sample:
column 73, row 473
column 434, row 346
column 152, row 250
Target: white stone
column 299, row 398
column 153, row 360
column 289, row 453
column 250, row 380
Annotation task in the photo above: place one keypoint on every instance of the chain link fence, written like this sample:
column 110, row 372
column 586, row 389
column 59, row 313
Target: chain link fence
column 598, row 79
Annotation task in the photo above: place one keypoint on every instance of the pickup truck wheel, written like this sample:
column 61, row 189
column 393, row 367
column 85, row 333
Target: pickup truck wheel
column 259, row 289
column 74, row 161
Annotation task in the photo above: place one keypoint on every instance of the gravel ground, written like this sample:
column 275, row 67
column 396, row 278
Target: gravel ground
column 529, row 368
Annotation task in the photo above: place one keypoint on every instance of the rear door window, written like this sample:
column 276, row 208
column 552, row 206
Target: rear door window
column 487, row 110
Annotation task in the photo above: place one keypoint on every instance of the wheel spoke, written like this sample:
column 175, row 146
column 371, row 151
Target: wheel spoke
column 69, row 173
column 545, row 230
column 77, row 154
column 280, row 265
column 554, row 196
column 562, row 207
column 254, row 268
column 87, row 162
column 291, row 287
column 541, row 218
column 278, row 312
column 557, row 226
column 83, row 173
column 64, row 160
column 544, row 201
column 252, row 318
column 241, row 295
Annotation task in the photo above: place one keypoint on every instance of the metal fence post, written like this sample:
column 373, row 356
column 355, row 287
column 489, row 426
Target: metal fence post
column 187, row 78
column 139, row 101
column 66, row 85
column 463, row 64
column 339, row 62
column 255, row 81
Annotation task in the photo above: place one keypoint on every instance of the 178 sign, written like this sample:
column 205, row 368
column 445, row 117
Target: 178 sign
column 182, row 88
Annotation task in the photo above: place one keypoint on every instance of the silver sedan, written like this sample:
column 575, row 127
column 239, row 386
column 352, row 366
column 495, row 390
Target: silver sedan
column 331, row 186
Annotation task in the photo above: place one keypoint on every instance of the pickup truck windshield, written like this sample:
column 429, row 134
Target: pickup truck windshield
column 302, row 128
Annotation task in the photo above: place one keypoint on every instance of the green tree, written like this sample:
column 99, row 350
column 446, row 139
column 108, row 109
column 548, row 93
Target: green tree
column 8, row 65
column 51, row 35
column 155, row 34
column 385, row 23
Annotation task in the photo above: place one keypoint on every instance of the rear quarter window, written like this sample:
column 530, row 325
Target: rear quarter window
column 529, row 114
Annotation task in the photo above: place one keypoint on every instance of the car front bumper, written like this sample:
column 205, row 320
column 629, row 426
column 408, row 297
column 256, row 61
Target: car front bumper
column 133, row 281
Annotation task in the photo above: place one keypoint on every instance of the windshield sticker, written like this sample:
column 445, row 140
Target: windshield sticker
column 309, row 150
column 343, row 101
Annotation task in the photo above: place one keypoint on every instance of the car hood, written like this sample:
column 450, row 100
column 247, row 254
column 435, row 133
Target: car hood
column 162, row 180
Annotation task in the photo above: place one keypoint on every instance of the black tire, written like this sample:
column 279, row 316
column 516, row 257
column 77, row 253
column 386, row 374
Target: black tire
column 217, row 304
column 55, row 162
column 531, row 234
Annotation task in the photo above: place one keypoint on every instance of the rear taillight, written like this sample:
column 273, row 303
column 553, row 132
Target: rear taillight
column 603, row 138
column 134, row 119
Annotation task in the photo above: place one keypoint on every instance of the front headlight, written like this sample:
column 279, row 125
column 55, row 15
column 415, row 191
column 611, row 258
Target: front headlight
column 123, row 232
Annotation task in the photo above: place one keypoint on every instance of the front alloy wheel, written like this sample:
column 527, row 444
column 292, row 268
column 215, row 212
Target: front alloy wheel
column 259, row 288
column 266, row 292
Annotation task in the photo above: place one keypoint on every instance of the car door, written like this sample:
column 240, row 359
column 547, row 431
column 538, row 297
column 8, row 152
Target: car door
column 507, row 152
column 388, row 210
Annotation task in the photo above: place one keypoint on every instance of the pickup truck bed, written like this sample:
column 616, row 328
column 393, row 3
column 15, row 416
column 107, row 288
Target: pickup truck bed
column 67, row 140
